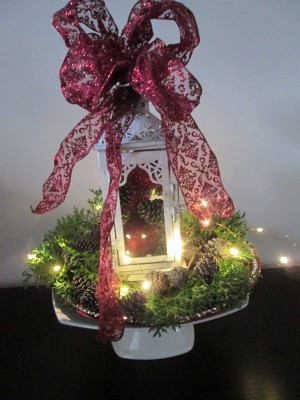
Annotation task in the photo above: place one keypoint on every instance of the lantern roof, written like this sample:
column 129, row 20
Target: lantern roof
column 144, row 133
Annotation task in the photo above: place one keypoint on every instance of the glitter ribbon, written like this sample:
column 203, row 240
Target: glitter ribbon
column 106, row 74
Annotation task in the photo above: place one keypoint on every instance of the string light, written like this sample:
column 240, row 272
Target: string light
column 204, row 203
column 128, row 236
column 206, row 222
column 144, row 236
column 259, row 229
column 126, row 259
column 124, row 290
column 56, row 268
column 284, row 260
column 31, row 256
column 146, row 285
column 234, row 251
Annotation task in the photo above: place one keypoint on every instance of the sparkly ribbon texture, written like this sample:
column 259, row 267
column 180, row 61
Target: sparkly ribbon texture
column 106, row 74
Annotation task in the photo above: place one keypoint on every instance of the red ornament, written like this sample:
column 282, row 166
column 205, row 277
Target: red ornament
column 139, row 178
column 140, row 238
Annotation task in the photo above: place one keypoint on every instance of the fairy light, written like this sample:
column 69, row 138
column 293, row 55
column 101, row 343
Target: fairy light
column 128, row 236
column 284, row 260
column 124, row 290
column 206, row 222
column 204, row 203
column 126, row 259
column 234, row 251
column 146, row 285
column 144, row 236
column 31, row 256
column 259, row 229
column 56, row 268
column 98, row 207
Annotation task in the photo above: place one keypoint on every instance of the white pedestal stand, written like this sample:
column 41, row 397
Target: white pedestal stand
column 138, row 343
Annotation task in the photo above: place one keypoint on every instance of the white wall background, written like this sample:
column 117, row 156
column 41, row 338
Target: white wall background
column 248, row 63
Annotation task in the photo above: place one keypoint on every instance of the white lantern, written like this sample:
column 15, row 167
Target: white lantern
column 146, row 234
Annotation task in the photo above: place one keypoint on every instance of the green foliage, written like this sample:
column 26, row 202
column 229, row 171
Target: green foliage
column 231, row 285
column 231, row 229
column 74, row 246
column 60, row 248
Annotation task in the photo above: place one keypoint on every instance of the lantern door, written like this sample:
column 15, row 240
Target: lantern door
column 146, row 234
column 146, row 225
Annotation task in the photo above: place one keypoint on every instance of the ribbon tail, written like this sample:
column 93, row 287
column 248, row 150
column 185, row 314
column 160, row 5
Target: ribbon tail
column 74, row 148
column 196, row 169
column 111, row 323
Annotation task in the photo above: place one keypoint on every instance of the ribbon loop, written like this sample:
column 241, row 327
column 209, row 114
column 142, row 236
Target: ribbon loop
column 93, row 14
column 165, row 81
column 138, row 30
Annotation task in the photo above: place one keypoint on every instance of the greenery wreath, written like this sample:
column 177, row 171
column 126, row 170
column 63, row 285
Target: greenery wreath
column 220, row 270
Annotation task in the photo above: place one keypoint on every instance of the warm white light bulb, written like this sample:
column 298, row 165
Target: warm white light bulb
column 127, row 259
column 234, row 251
column 146, row 285
column 259, row 229
column 128, row 236
column 56, row 268
column 124, row 290
column 31, row 256
column 204, row 203
column 144, row 236
column 206, row 222
column 284, row 260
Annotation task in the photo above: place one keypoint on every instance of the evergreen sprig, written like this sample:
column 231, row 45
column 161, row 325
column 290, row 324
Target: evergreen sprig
column 231, row 229
column 60, row 247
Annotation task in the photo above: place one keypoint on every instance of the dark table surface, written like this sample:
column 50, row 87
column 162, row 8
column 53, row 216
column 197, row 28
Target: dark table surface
column 253, row 354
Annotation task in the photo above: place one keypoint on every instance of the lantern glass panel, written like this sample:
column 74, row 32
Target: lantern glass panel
column 142, row 211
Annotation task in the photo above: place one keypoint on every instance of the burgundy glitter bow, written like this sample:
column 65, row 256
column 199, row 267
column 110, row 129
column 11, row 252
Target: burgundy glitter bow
column 93, row 75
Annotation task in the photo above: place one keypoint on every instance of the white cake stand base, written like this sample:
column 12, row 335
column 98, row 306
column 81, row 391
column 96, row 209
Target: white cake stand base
column 139, row 343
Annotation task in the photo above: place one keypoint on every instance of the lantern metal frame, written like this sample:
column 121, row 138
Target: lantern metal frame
column 143, row 146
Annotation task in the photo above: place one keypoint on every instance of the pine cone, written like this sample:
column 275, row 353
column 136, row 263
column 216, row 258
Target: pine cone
column 206, row 268
column 85, row 244
column 126, row 215
column 66, row 256
column 81, row 284
column 160, row 281
column 178, row 277
column 198, row 243
column 89, row 300
column 215, row 247
column 133, row 305
column 151, row 212
column 126, row 192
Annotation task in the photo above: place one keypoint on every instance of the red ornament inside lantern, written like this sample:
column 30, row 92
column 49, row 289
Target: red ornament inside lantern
column 140, row 238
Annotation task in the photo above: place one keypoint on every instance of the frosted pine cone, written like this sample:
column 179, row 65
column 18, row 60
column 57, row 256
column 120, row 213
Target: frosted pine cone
column 215, row 247
column 178, row 277
column 206, row 268
column 160, row 281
